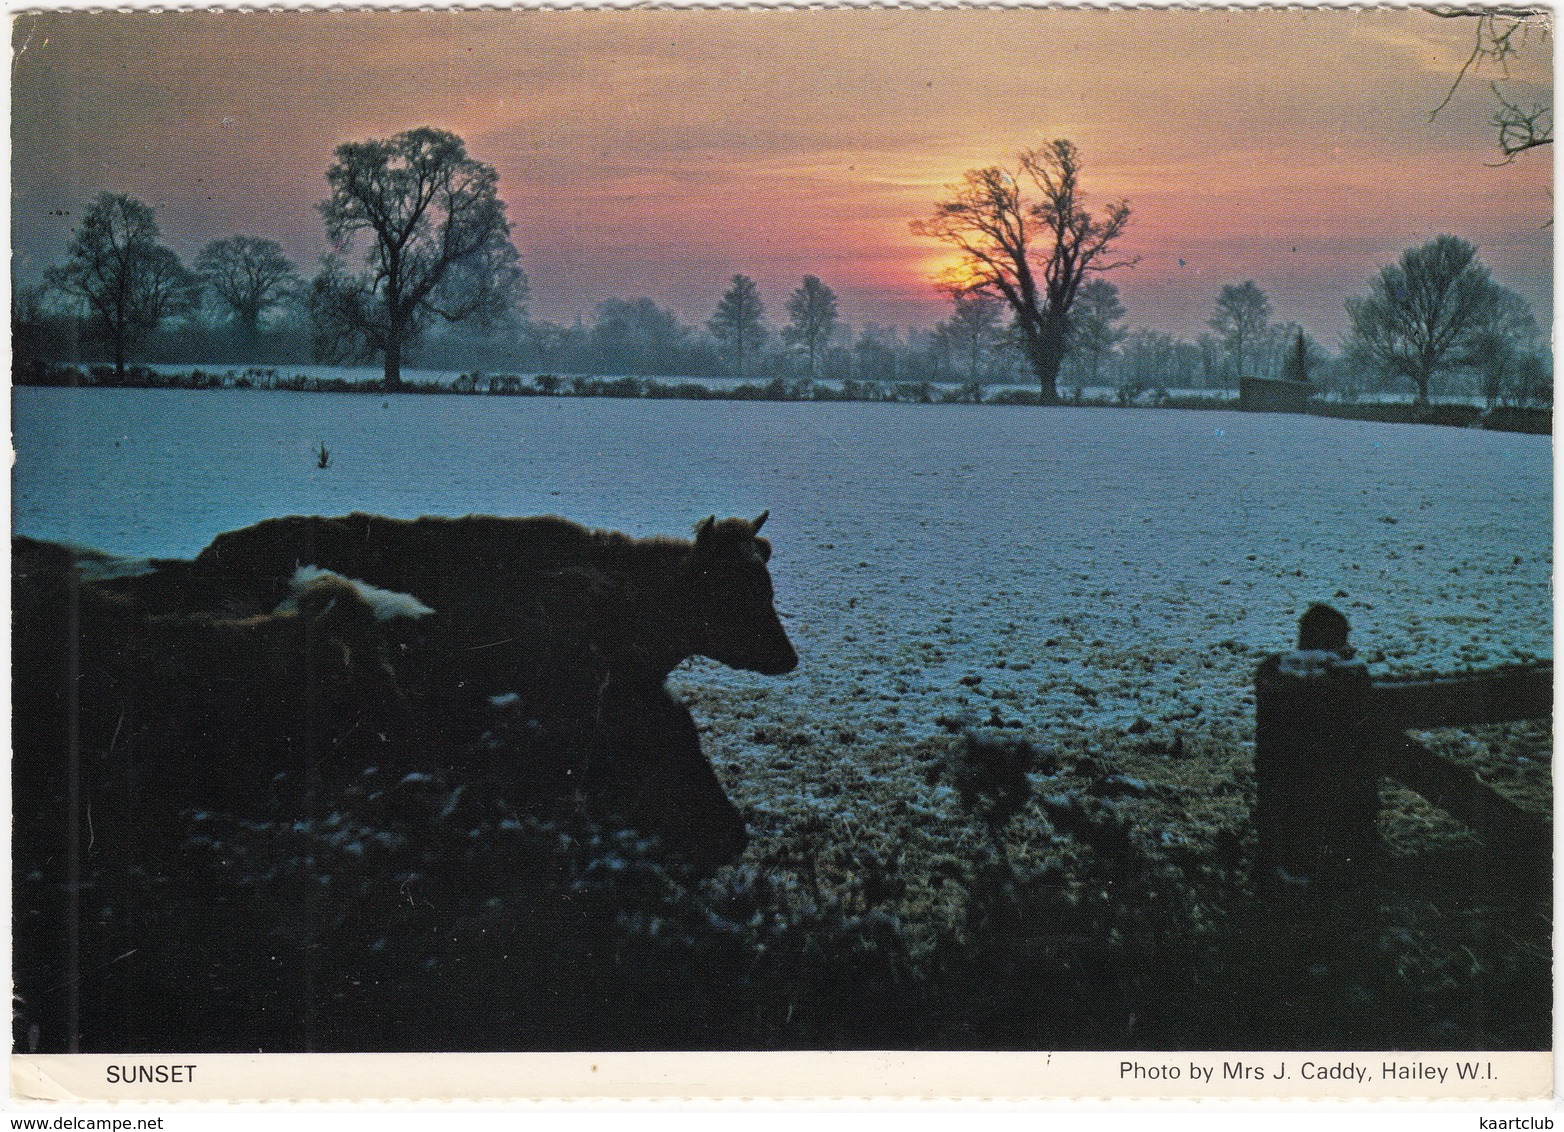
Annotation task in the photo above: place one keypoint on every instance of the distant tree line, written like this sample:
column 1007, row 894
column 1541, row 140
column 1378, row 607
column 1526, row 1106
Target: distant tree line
column 422, row 269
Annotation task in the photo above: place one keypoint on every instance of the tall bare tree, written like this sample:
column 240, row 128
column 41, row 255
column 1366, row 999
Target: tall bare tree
column 812, row 309
column 1499, row 347
column 972, row 330
column 1094, row 329
column 1426, row 313
column 1026, row 236
column 439, row 246
column 1240, row 317
column 128, row 281
column 249, row 275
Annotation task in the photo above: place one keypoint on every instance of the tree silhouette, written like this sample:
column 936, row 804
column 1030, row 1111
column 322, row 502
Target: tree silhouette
column 1033, row 254
column 439, row 246
column 637, row 337
column 1093, row 333
column 738, row 323
column 972, row 330
column 1500, row 35
column 32, row 323
column 812, row 309
column 1498, row 346
column 1240, row 317
column 251, row 276
column 129, row 282
column 1425, row 313
column 1299, row 359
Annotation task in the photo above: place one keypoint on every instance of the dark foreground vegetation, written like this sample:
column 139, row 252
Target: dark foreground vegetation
column 245, row 824
column 434, row 912
column 1097, row 896
column 1504, row 418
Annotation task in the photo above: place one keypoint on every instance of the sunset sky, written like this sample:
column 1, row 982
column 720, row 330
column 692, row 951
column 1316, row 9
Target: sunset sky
column 658, row 153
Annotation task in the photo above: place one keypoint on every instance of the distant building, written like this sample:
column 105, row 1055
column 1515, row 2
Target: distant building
column 1270, row 395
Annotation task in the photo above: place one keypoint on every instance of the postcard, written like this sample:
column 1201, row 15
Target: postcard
column 902, row 552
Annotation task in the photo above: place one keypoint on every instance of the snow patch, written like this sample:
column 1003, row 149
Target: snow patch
column 386, row 604
column 1314, row 662
column 97, row 567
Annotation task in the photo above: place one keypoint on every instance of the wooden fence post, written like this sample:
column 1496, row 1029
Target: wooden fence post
column 1325, row 733
column 1317, row 794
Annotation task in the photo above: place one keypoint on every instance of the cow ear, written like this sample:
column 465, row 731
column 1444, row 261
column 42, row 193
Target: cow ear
column 761, row 521
column 763, row 546
column 703, row 530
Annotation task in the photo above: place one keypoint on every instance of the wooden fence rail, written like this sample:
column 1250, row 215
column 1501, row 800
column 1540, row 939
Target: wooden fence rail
column 1325, row 733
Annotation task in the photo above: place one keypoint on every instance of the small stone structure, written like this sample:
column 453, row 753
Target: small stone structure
column 1270, row 395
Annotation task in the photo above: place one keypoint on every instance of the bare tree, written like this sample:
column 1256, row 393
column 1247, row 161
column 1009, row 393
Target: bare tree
column 812, row 309
column 1149, row 359
column 1032, row 253
column 30, row 323
column 1497, row 348
column 1240, row 317
column 1093, row 325
column 251, row 276
column 1500, row 34
column 874, row 354
column 542, row 340
column 128, row 281
column 972, row 330
column 1531, row 379
column 439, row 246
column 1213, row 375
column 1424, row 314
column 739, row 321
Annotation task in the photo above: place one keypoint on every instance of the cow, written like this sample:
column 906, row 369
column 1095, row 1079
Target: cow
column 576, row 629
column 515, row 588
column 131, row 727
column 175, row 707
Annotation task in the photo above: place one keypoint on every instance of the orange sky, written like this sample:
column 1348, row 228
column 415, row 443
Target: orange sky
column 658, row 153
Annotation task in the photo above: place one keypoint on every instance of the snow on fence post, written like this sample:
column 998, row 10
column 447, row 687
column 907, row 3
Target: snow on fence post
column 1325, row 733
column 1317, row 792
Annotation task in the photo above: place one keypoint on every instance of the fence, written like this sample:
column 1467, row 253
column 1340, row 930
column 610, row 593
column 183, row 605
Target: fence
column 1325, row 732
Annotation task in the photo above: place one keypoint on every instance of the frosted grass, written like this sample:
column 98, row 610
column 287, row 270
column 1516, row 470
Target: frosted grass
column 1124, row 552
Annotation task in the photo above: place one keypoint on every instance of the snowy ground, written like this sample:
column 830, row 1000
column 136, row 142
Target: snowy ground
column 1101, row 582
column 1072, row 566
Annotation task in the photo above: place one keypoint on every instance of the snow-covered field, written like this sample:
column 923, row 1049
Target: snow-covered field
column 1063, row 569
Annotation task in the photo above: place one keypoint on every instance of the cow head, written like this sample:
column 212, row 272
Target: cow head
column 731, row 612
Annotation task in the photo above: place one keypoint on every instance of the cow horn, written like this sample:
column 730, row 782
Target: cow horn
column 761, row 521
column 704, row 527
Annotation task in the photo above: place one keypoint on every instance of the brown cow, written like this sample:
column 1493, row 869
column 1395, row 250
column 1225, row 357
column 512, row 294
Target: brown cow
column 580, row 627
column 516, row 591
column 187, row 707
